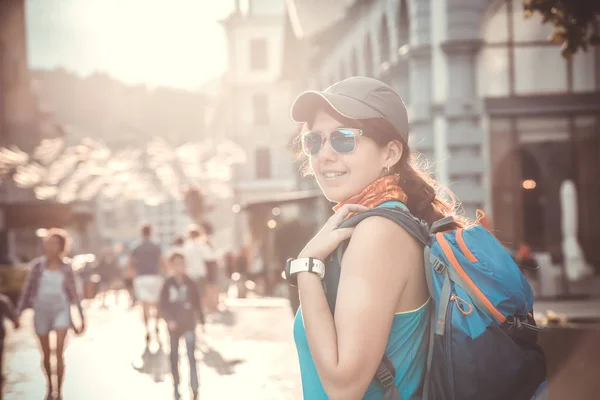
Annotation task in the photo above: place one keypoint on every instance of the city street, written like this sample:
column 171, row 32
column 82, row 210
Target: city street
column 247, row 352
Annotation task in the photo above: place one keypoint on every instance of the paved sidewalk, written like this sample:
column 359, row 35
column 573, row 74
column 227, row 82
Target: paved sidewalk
column 578, row 309
column 247, row 352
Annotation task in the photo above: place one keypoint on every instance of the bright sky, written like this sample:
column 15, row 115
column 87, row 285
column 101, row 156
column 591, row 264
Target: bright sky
column 176, row 43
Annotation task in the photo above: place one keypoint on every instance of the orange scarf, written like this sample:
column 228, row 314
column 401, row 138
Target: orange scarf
column 384, row 189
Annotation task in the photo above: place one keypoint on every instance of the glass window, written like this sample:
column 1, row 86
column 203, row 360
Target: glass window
column 584, row 70
column 263, row 163
column 493, row 72
column 260, row 109
column 495, row 29
column 540, row 70
column 258, row 54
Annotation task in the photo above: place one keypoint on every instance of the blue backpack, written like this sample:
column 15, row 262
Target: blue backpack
column 482, row 336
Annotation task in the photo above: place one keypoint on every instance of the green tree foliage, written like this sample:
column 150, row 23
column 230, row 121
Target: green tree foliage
column 575, row 22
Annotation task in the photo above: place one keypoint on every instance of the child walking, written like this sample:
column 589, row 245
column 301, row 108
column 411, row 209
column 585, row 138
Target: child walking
column 181, row 308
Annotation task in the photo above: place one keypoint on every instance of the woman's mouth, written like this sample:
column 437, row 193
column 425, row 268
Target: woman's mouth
column 332, row 175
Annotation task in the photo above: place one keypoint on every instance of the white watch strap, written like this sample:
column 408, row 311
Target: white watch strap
column 302, row 265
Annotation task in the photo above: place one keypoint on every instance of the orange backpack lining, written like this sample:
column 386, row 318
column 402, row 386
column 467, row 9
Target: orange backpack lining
column 463, row 246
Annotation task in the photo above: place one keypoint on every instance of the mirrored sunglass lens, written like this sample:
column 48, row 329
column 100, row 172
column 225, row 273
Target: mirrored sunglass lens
column 311, row 143
column 343, row 140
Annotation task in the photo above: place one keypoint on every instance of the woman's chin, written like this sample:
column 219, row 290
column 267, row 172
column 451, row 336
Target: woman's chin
column 336, row 195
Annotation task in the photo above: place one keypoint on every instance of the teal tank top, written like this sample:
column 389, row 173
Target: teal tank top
column 406, row 348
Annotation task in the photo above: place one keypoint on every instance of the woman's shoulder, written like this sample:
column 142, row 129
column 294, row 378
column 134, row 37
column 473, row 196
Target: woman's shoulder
column 383, row 241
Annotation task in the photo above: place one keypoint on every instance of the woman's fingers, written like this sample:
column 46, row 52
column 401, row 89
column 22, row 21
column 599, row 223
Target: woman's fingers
column 343, row 234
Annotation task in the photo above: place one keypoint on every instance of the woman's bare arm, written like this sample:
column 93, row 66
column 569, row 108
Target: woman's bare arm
column 380, row 260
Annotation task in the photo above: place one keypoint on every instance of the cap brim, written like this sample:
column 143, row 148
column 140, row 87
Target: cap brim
column 306, row 105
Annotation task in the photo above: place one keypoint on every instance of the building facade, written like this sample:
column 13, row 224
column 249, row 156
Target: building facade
column 504, row 118
column 254, row 108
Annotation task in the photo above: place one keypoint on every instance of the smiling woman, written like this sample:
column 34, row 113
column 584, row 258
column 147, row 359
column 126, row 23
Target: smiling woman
column 177, row 43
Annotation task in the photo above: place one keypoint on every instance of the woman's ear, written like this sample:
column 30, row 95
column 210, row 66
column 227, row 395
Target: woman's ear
column 394, row 152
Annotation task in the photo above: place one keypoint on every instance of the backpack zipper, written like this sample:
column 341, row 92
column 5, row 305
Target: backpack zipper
column 463, row 246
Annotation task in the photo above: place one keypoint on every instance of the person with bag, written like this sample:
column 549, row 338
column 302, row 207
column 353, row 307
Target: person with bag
column 50, row 290
column 371, row 314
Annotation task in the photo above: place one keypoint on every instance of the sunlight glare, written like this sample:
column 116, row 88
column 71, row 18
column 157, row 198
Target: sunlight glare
column 176, row 43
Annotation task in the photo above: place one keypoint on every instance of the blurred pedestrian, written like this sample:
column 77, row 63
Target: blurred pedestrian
column 146, row 265
column 7, row 311
column 108, row 271
column 178, row 243
column 125, row 273
column 181, row 307
column 211, row 297
column 50, row 289
column 197, row 253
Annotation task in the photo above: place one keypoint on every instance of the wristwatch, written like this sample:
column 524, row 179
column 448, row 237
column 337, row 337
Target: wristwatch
column 309, row 264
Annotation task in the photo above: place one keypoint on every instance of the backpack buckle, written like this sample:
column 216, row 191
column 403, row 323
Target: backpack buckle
column 438, row 266
column 386, row 379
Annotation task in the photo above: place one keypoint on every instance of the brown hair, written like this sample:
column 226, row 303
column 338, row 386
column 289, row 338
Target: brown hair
column 146, row 230
column 63, row 239
column 427, row 199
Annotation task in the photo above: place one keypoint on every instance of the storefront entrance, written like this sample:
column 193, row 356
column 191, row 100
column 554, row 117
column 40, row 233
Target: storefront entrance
column 531, row 157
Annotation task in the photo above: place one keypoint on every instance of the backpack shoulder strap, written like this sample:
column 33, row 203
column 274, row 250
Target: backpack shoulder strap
column 415, row 227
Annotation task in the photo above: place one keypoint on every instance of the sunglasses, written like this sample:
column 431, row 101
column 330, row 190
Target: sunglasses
column 342, row 140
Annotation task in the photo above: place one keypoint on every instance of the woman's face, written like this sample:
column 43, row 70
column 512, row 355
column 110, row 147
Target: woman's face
column 341, row 176
column 52, row 246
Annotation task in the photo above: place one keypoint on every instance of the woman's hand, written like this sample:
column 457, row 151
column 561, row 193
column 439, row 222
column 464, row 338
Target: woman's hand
column 329, row 237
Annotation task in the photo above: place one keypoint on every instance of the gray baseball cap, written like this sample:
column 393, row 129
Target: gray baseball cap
column 358, row 97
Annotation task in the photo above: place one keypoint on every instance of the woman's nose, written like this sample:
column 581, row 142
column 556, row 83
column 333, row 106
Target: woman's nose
column 327, row 151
